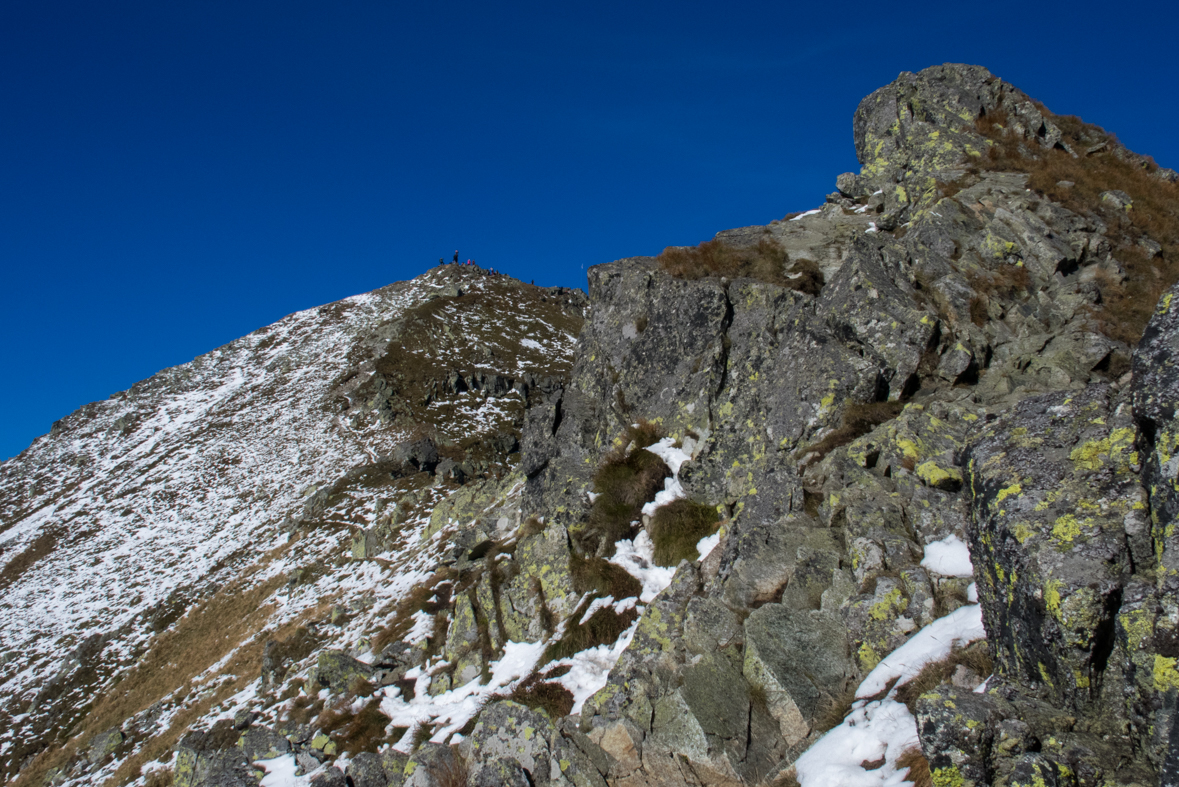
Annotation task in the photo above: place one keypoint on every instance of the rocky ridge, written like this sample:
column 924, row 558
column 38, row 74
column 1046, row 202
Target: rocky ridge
column 450, row 610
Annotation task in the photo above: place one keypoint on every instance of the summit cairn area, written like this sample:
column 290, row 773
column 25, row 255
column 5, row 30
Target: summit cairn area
column 882, row 491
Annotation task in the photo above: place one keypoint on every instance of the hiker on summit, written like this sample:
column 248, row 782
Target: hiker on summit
column 456, row 255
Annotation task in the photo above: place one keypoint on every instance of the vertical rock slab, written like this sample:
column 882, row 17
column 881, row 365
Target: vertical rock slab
column 800, row 659
column 1055, row 500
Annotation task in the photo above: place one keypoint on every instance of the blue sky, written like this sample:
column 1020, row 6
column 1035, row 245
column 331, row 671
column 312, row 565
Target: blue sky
column 177, row 174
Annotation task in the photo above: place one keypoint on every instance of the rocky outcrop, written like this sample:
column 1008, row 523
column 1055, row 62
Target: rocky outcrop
column 957, row 375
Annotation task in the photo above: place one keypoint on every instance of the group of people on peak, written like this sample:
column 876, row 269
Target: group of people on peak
column 455, row 261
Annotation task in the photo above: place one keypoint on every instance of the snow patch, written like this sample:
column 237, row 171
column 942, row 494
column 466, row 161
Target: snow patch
column 637, row 558
column 948, row 557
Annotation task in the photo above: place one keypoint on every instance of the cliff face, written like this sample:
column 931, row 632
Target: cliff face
column 903, row 498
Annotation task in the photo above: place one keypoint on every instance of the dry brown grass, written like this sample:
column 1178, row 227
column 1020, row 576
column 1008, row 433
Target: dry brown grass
column 1127, row 305
column 227, row 622
column 160, row 777
column 431, row 597
column 918, row 767
column 677, row 527
column 354, row 731
column 976, row 658
column 604, row 627
column 628, row 478
column 766, row 261
column 538, row 693
column 591, row 573
column 41, row 546
column 1007, row 283
column 834, row 709
column 450, row 772
column 858, row 419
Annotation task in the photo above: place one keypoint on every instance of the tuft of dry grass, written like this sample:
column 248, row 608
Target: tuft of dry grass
column 767, row 261
column 450, row 772
column 918, row 767
column 677, row 527
column 160, row 777
column 834, row 709
column 976, row 658
column 538, row 693
column 354, row 731
column 596, row 573
column 1101, row 164
column 604, row 627
column 627, row 479
column 858, row 419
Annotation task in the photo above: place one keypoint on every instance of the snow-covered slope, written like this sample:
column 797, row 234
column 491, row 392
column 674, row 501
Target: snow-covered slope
column 134, row 509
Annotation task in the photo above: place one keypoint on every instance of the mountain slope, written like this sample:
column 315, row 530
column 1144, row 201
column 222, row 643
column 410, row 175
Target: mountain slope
column 881, row 488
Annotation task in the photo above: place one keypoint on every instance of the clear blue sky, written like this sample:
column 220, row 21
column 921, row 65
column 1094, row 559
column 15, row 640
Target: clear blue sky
column 177, row 174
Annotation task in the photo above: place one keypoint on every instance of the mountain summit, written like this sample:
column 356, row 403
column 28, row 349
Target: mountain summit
column 882, row 491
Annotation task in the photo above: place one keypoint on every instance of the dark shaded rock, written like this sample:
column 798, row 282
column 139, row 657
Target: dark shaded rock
column 336, row 670
column 262, row 743
column 366, row 770
column 778, row 640
column 330, row 776
column 1059, row 516
column 417, row 456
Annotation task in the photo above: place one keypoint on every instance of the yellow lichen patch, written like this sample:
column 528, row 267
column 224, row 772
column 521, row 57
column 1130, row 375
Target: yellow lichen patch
column 1052, row 597
column 1023, row 531
column 936, row 476
column 1165, row 675
column 868, row 657
column 1007, row 492
column 1066, row 528
column 890, row 606
column 1088, row 456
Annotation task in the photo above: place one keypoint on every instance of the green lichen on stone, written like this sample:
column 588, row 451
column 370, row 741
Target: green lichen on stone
column 947, row 777
column 1166, row 677
column 936, row 476
column 1088, row 455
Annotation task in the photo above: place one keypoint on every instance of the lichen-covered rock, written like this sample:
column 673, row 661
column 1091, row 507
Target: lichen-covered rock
column 210, row 760
column 366, row 770
column 507, row 729
column 957, row 729
column 1155, row 390
column 779, row 641
column 762, row 557
column 1057, row 511
column 336, row 670
column 263, row 743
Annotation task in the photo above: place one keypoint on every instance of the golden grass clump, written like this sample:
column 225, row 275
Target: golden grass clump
column 676, row 528
column 976, row 658
column 767, row 261
column 859, row 418
column 628, row 478
column 918, row 767
column 604, row 627
column 1100, row 164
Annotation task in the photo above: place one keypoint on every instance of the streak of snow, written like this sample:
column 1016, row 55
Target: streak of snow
column 590, row 668
column 637, row 558
column 452, row 709
column 531, row 344
column 705, row 545
column 932, row 643
column 807, row 213
column 884, row 728
column 280, row 772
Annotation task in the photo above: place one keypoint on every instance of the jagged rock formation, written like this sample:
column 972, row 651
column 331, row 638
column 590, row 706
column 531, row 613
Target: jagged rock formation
column 469, row 590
